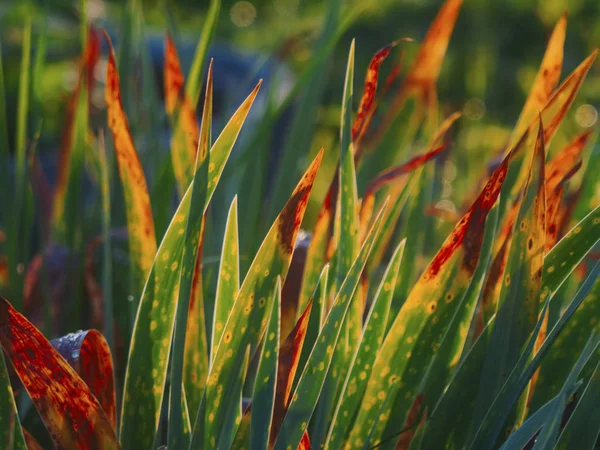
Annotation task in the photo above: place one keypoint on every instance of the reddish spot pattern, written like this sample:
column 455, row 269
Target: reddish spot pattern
column 411, row 423
column 366, row 102
column 290, row 218
column 289, row 357
column 89, row 354
column 54, row 387
column 304, row 442
column 177, row 103
column 139, row 211
column 393, row 173
column 468, row 233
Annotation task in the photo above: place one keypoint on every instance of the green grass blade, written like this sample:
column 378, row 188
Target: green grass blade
column 518, row 305
column 11, row 433
column 17, row 222
column 263, row 396
column 360, row 366
column 149, row 350
column 493, row 422
column 550, row 431
column 233, row 403
column 179, row 430
column 194, row 78
column 315, row 321
column 526, row 432
column 306, row 394
column 569, row 251
column 425, row 316
column 578, row 433
column 242, row 436
column 5, row 210
column 557, row 364
column 248, row 318
column 228, row 283
column 107, row 286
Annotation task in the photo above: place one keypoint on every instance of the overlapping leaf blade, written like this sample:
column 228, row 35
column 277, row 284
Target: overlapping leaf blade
column 434, row 299
column 149, row 350
column 248, row 318
column 69, row 410
column 309, row 386
column 362, row 360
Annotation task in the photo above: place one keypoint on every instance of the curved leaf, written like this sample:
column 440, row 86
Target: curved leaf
column 89, row 354
column 69, row 410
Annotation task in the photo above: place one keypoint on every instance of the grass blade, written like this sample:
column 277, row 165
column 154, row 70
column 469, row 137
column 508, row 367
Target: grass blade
column 362, row 361
column 263, row 396
column 434, row 299
column 228, row 283
column 149, row 351
column 306, row 395
column 140, row 224
column 194, row 79
column 247, row 319
column 11, row 433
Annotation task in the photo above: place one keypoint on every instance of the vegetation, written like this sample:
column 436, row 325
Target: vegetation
column 396, row 322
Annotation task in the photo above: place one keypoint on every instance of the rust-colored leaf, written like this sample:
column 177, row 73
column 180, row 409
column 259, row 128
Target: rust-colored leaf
column 410, row 425
column 69, row 410
column 89, row 354
column 558, row 170
column 89, row 59
column 546, row 80
column 184, row 142
column 365, row 108
column 32, row 443
column 422, row 78
column 468, row 232
column 289, row 357
column 428, row 64
column 142, row 238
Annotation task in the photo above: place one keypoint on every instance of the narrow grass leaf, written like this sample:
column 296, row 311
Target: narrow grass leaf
column 518, row 305
column 263, row 396
column 182, row 115
column 11, row 434
column 194, row 80
column 306, row 394
column 192, row 346
column 362, row 361
column 434, row 299
column 289, row 357
column 149, row 350
column 315, row 321
column 140, row 224
column 578, row 432
column 228, row 282
column 545, row 81
column 551, row 428
column 248, row 318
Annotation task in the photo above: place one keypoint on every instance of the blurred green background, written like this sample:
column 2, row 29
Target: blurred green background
column 493, row 56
